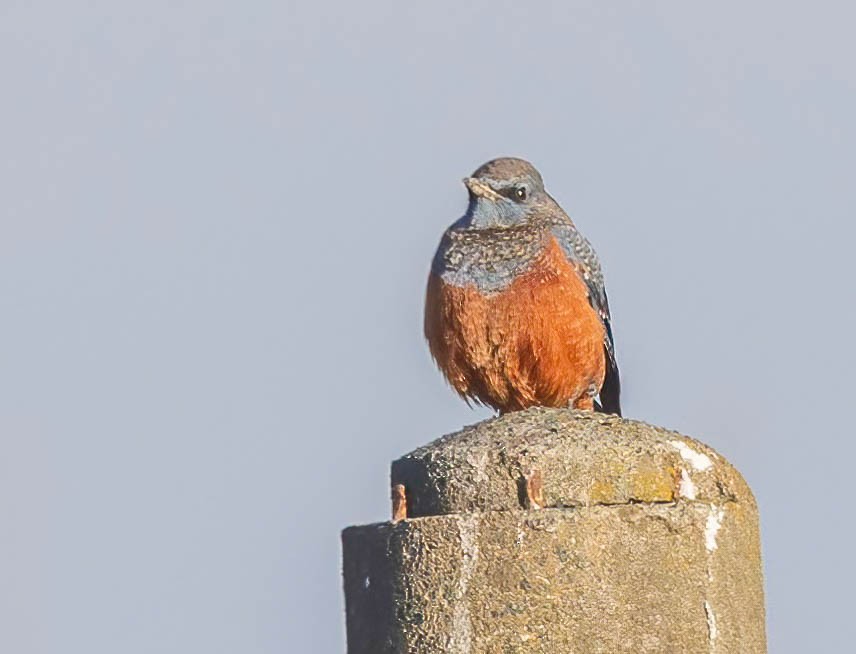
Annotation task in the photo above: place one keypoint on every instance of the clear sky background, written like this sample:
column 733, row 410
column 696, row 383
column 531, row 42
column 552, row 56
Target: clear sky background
column 216, row 221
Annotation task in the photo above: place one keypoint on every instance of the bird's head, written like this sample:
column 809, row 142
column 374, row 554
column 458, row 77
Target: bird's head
column 503, row 193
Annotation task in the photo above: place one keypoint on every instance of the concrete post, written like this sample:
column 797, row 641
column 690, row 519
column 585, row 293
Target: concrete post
column 559, row 531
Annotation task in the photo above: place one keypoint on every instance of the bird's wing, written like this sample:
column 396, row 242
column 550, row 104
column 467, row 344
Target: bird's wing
column 584, row 259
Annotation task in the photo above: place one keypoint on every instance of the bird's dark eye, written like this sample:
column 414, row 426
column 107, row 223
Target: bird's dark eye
column 521, row 193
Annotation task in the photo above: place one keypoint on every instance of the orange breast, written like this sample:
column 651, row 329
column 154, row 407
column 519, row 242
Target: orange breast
column 537, row 342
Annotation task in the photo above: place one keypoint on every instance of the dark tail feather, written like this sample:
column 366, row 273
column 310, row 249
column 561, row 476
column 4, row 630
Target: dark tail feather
column 610, row 392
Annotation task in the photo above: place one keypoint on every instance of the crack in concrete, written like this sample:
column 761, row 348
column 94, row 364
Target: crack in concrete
column 711, row 625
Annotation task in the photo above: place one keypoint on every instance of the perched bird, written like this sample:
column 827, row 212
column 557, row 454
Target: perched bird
column 516, row 313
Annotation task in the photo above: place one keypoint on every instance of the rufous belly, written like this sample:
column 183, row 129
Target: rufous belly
column 536, row 342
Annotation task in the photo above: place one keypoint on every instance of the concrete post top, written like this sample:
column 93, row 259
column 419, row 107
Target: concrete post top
column 552, row 530
column 555, row 458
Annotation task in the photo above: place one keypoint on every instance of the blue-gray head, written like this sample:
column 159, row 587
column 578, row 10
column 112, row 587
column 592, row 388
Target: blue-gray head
column 503, row 192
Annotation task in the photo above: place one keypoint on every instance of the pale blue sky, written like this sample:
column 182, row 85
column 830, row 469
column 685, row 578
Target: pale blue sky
column 216, row 221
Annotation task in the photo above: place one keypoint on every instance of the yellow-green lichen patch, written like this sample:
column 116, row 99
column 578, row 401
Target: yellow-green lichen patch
column 651, row 484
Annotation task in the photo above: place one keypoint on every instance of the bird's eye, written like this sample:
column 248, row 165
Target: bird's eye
column 521, row 193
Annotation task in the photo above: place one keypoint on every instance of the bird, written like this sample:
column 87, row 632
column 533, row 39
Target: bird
column 516, row 311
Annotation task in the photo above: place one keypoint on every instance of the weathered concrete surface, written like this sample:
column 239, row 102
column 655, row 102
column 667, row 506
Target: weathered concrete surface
column 648, row 543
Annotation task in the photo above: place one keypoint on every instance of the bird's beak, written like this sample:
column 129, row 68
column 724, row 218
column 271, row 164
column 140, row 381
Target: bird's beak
column 480, row 189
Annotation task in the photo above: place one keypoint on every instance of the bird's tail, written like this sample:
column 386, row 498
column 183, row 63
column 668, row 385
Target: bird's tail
column 610, row 392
